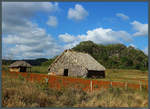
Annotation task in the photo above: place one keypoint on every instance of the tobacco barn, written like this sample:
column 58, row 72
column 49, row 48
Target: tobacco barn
column 20, row 66
column 76, row 64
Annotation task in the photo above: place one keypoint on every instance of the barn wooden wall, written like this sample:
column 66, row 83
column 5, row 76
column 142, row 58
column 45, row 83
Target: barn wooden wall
column 14, row 69
column 74, row 69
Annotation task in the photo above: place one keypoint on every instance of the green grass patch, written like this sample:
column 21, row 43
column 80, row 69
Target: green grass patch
column 40, row 69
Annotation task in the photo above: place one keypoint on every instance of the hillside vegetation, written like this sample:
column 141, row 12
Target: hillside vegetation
column 115, row 55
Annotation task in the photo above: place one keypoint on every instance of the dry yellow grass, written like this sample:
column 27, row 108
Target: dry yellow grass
column 21, row 93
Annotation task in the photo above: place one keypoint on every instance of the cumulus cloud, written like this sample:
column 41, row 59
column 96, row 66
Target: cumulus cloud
column 141, row 29
column 67, row 37
column 28, row 8
column 98, row 35
column 32, row 44
column 71, row 45
column 122, row 16
column 15, row 14
column 132, row 45
column 78, row 13
column 52, row 21
column 106, row 36
column 22, row 37
column 146, row 50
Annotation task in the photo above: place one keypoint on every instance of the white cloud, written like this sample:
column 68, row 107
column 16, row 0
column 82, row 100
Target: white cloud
column 122, row 16
column 132, row 45
column 67, row 37
column 107, row 36
column 52, row 21
column 23, row 38
column 32, row 44
column 142, row 29
column 78, row 13
column 28, row 8
column 70, row 45
column 16, row 14
column 98, row 35
column 146, row 50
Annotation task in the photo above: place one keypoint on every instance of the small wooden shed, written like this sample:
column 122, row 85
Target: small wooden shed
column 76, row 64
column 20, row 66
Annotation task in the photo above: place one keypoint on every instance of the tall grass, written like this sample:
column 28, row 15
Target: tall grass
column 22, row 93
column 5, row 68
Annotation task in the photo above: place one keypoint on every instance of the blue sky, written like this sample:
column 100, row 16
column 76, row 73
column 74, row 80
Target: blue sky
column 35, row 30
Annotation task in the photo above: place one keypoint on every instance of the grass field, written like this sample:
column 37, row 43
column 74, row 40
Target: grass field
column 22, row 93
column 40, row 69
column 122, row 75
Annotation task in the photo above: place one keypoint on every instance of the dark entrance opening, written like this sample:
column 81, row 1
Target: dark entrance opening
column 65, row 72
column 96, row 74
column 23, row 69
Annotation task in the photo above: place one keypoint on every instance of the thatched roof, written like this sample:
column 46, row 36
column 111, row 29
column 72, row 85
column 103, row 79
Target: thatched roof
column 20, row 64
column 82, row 59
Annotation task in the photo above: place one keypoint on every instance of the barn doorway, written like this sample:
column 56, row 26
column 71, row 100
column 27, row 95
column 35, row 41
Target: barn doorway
column 23, row 69
column 65, row 72
column 96, row 74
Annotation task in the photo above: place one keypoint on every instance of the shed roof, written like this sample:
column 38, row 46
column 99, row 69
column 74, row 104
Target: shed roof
column 82, row 59
column 20, row 64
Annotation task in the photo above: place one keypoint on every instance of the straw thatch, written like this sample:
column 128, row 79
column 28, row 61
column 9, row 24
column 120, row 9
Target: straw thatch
column 77, row 63
column 20, row 64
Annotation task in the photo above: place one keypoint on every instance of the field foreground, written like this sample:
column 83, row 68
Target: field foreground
column 22, row 93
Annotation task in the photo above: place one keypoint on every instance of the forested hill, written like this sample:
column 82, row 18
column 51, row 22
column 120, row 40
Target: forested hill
column 115, row 55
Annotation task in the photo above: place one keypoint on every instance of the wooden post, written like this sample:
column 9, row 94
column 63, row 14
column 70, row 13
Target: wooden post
column 111, row 84
column 46, row 80
column 91, row 85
